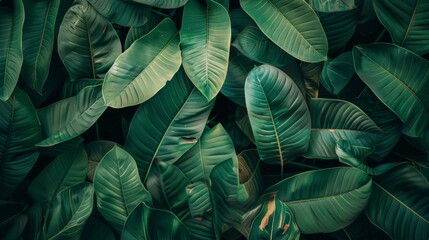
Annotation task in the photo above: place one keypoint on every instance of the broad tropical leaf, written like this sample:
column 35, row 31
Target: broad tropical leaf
column 168, row 124
column 38, row 41
column 399, row 203
column 144, row 68
column 161, row 3
column 278, row 114
column 402, row 89
column 325, row 200
column 337, row 73
column 134, row 33
column 205, row 39
column 96, row 151
column 239, row 20
column 68, row 118
column 332, row 5
column 64, row 171
column 72, row 88
column 19, row 131
column 99, row 45
column 69, row 212
column 118, row 187
column 333, row 120
column 406, row 22
column 121, row 12
column 275, row 221
column 252, row 43
column 149, row 223
column 292, row 25
column 11, row 56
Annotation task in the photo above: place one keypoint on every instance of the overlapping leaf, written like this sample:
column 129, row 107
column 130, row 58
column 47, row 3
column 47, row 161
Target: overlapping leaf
column 337, row 73
column 332, row 5
column 161, row 3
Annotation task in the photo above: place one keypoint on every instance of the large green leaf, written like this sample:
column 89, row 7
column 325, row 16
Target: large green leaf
column 68, row 118
column 168, row 124
column 399, row 203
column 400, row 79
column 38, row 41
column 275, row 221
column 406, row 22
column 118, row 187
column 64, row 171
column 11, row 56
column 69, row 212
column 121, row 12
column 161, row 3
column 19, row 131
column 252, row 43
column 134, row 33
column 333, row 120
column 96, row 151
column 99, row 45
column 325, row 200
column 337, row 73
column 332, row 5
column 72, row 88
column 239, row 20
column 205, row 39
column 292, row 25
column 144, row 68
column 278, row 114
column 149, row 223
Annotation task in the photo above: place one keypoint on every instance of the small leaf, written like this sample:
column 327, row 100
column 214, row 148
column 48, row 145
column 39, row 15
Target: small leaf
column 337, row 73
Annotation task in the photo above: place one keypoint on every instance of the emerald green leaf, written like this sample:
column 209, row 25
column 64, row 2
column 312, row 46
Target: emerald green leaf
column 161, row 3
column 199, row 199
column 406, row 23
column 337, row 73
column 333, row 120
column 19, row 131
column 64, row 171
column 238, row 68
column 68, row 118
column 399, row 203
column 167, row 125
column 400, row 79
column 205, row 40
column 97, row 229
column 252, row 43
column 118, row 187
column 144, row 68
column 149, row 223
column 38, row 41
column 275, row 221
column 121, row 12
column 311, row 73
column 11, row 56
column 96, row 151
column 278, row 114
column 99, row 45
column 325, row 200
column 332, row 5
column 69, row 212
column 134, row 33
column 72, row 88
column 292, row 25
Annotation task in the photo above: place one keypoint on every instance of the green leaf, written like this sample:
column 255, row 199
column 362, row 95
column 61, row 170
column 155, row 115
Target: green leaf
column 118, row 187
column 64, row 171
column 69, row 212
column 205, row 40
column 275, row 221
column 96, row 151
column 238, row 68
column 19, row 131
column 72, row 88
column 337, row 73
column 121, row 12
column 149, row 223
column 37, row 214
column 11, row 56
column 38, row 41
column 15, row 228
column 168, row 124
column 239, row 20
column 333, row 120
column 99, row 45
column 161, row 3
column 278, row 114
column 406, row 23
column 243, row 122
column 402, row 89
column 252, row 43
column 399, row 203
column 134, row 33
column 68, row 118
column 421, row 143
column 311, row 73
column 144, row 68
column 332, row 5
column 292, row 25
column 97, row 229
column 325, row 200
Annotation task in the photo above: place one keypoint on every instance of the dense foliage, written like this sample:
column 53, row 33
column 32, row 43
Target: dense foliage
column 214, row 119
